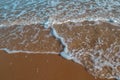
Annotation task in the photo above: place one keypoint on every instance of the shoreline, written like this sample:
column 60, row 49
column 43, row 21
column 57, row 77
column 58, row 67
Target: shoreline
column 36, row 38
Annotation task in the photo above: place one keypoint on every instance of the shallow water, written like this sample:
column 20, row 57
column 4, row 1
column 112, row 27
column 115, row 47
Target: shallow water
column 64, row 24
column 14, row 12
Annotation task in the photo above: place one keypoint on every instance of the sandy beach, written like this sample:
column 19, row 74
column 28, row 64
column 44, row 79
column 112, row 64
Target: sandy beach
column 40, row 65
column 23, row 66
column 59, row 40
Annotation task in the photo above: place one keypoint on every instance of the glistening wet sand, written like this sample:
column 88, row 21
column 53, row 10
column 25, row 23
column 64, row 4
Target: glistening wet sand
column 40, row 67
column 37, row 66
column 96, row 45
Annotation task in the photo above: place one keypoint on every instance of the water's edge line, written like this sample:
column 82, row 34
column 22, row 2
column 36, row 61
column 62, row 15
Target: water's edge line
column 21, row 51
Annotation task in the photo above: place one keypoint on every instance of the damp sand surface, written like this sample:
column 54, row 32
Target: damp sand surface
column 28, row 39
column 48, row 27
column 94, row 45
column 38, row 64
column 23, row 66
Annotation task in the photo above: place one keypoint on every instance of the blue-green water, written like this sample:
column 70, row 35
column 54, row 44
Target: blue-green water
column 22, row 12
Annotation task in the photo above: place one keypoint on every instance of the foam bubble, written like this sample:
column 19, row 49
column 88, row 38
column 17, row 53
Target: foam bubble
column 66, row 56
column 23, row 51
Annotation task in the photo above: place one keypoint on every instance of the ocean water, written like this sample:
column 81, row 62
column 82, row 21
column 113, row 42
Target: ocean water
column 87, row 30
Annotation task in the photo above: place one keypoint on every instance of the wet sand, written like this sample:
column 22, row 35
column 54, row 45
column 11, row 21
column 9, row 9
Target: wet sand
column 94, row 45
column 37, row 66
column 40, row 67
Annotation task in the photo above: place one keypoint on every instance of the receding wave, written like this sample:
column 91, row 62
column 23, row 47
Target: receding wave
column 85, row 31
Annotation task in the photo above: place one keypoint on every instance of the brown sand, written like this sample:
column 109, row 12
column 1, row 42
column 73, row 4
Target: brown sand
column 93, row 44
column 29, row 38
column 40, row 67
column 23, row 66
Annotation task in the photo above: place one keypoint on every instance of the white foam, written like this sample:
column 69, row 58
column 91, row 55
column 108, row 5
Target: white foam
column 46, row 25
column 22, row 51
column 66, row 56
column 65, row 53
column 53, row 31
column 80, row 20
